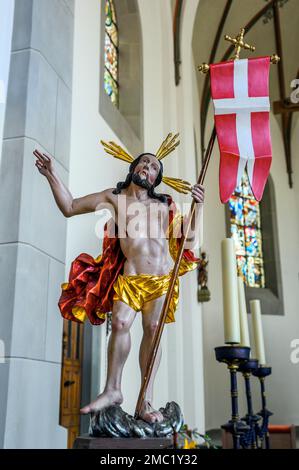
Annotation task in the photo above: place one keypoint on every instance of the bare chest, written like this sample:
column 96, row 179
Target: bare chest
column 141, row 220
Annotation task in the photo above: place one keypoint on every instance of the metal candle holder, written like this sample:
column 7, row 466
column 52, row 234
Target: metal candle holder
column 251, row 419
column 233, row 356
column 262, row 372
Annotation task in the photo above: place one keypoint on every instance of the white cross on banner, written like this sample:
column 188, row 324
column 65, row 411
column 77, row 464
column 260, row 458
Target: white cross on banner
column 240, row 92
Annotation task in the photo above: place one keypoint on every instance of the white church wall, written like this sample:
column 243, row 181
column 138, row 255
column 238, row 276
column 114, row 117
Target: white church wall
column 170, row 108
column 281, row 330
column 91, row 171
column 192, row 334
column 153, row 35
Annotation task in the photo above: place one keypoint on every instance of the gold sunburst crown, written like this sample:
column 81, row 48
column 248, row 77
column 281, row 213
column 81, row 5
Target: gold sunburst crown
column 168, row 145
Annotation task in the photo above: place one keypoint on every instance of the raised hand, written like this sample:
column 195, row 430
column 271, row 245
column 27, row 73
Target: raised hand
column 43, row 163
column 198, row 193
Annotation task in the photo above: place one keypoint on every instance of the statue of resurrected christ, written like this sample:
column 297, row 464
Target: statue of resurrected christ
column 132, row 274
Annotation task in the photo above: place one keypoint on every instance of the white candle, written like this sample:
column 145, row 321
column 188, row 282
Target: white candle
column 244, row 330
column 255, row 307
column 230, row 292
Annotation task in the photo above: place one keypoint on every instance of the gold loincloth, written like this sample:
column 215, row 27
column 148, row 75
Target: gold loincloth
column 92, row 285
column 136, row 290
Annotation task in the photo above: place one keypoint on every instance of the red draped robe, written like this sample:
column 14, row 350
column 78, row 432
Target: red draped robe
column 89, row 291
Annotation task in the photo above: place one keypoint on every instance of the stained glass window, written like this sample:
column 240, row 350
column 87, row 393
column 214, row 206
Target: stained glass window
column 111, row 53
column 245, row 227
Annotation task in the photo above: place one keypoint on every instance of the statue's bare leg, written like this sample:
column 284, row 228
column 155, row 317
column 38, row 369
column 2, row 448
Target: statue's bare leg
column 118, row 351
column 150, row 318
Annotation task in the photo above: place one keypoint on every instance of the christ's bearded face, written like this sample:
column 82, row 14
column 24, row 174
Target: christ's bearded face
column 146, row 170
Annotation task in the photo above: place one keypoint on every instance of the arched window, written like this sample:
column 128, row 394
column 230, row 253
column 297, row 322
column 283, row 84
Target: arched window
column 121, row 71
column 253, row 226
column 111, row 53
column 246, row 230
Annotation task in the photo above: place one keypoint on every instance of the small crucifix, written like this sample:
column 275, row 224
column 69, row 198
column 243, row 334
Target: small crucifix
column 239, row 43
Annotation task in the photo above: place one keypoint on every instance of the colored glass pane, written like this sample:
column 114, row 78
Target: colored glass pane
column 110, row 12
column 255, row 272
column 111, row 58
column 242, row 267
column 245, row 228
column 110, row 87
column 111, row 53
column 237, row 233
column 251, row 213
column 110, row 23
column 236, row 210
column 252, row 241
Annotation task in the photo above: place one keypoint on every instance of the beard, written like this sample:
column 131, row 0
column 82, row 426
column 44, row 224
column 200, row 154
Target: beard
column 142, row 182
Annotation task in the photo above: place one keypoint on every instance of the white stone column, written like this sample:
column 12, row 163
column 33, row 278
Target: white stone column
column 32, row 230
column 6, row 23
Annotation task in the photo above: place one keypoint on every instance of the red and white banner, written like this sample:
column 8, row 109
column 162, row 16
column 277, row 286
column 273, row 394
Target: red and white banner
column 240, row 92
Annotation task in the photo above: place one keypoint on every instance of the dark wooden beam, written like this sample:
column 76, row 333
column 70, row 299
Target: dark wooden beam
column 281, row 107
column 278, row 42
column 177, row 39
column 285, row 117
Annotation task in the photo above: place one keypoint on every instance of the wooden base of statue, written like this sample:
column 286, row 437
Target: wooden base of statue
column 203, row 294
column 107, row 443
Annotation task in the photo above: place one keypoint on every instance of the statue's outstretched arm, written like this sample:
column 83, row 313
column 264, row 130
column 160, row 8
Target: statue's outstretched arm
column 63, row 197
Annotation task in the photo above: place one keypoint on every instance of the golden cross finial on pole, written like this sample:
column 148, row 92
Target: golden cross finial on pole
column 239, row 43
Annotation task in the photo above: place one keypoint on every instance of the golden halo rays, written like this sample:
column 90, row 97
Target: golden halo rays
column 168, row 145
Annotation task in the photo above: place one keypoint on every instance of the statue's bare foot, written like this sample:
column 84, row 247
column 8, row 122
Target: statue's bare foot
column 149, row 414
column 108, row 398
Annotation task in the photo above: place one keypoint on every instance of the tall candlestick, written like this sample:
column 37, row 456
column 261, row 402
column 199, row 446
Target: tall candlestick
column 244, row 330
column 255, row 307
column 230, row 292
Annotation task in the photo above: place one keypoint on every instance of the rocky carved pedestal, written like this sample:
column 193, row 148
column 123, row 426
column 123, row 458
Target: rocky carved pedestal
column 113, row 428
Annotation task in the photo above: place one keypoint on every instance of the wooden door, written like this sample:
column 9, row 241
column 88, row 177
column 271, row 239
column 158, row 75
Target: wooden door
column 70, row 396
